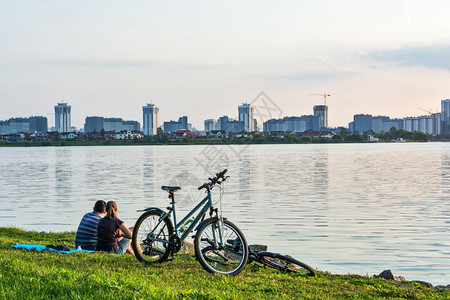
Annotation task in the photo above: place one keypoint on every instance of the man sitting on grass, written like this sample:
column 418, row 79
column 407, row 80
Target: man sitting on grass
column 86, row 237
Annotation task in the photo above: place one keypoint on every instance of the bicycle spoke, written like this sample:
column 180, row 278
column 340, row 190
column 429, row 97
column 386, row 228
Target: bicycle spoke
column 215, row 253
column 151, row 237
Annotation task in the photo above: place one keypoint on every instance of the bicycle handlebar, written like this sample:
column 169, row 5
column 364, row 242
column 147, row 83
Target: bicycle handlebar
column 213, row 181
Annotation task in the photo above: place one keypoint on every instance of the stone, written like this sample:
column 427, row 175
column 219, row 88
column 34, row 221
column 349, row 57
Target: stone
column 187, row 247
column 399, row 278
column 424, row 283
column 439, row 287
column 386, row 274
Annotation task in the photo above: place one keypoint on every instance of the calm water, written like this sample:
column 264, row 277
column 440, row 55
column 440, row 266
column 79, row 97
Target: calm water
column 341, row 208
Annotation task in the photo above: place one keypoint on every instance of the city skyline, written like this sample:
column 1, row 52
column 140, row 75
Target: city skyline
column 429, row 124
column 109, row 58
column 319, row 111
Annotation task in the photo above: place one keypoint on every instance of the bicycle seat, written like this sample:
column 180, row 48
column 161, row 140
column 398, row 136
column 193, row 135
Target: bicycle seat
column 170, row 188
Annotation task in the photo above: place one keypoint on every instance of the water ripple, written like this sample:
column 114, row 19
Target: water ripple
column 341, row 208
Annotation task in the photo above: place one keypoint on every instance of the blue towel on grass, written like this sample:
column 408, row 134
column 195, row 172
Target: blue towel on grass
column 43, row 247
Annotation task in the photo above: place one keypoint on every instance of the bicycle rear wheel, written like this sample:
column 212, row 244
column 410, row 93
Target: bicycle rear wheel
column 151, row 237
column 285, row 263
column 224, row 253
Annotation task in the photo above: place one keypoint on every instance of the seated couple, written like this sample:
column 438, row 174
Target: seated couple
column 104, row 234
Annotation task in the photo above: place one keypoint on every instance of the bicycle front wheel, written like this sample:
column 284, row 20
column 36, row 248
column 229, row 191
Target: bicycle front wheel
column 285, row 263
column 151, row 237
column 221, row 247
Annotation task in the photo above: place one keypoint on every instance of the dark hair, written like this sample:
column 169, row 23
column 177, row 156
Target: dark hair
column 100, row 206
column 111, row 209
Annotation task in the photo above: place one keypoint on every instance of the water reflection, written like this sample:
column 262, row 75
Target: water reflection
column 148, row 172
column 445, row 169
column 342, row 208
column 63, row 175
column 246, row 166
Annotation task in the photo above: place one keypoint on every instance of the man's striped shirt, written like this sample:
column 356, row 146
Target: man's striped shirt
column 86, row 236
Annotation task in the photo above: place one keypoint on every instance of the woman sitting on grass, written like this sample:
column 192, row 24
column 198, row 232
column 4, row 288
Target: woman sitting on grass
column 112, row 234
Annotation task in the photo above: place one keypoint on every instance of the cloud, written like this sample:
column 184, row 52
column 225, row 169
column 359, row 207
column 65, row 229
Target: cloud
column 78, row 62
column 81, row 62
column 434, row 57
column 120, row 63
column 310, row 75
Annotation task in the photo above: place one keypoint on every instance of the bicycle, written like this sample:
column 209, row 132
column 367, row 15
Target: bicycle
column 155, row 237
column 280, row 262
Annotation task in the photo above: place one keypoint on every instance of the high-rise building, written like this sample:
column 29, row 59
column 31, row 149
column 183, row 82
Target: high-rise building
column 184, row 122
column 4, row 127
column 228, row 125
column 362, row 123
column 151, row 114
column 62, row 117
column 426, row 124
column 411, row 124
column 173, row 126
column 397, row 123
column 222, row 123
column 210, row 125
column 436, row 123
column 274, row 125
column 131, row 125
column 292, row 124
column 22, row 125
column 381, row 123
column 445, row 116
column 38, row 124
column 429, row 124
column 97, row 124
column 93, row 124
column 321, row 111
column 246, row 115
column 113, row 124
column 351, row 126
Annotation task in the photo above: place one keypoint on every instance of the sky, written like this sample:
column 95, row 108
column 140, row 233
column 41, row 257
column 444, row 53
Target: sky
column 204, row 58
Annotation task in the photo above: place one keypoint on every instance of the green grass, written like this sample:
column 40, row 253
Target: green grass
column 42, row 275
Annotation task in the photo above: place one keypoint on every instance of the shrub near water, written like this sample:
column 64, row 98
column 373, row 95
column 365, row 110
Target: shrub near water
column 30, row 274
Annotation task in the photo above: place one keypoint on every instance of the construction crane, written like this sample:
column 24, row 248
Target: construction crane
column 324, row 95
column 428, row 111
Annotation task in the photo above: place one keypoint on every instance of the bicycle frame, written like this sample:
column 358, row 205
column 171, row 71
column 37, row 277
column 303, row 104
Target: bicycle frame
column 202, row 207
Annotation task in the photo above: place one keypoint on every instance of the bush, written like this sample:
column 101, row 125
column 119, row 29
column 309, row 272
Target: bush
column 306, row 140
column 356, row 137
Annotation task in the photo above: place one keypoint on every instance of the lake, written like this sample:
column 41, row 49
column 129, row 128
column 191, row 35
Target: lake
column 343, row 208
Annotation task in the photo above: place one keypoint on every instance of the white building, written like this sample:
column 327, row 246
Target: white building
column 62, row 117
column 426, row 124
column 151, row 113
column 246, row 112
column 412, row 124
column 210, row 125
column 128, row 135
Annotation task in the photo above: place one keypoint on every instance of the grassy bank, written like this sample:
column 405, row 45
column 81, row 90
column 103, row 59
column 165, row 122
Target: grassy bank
column 30, row 274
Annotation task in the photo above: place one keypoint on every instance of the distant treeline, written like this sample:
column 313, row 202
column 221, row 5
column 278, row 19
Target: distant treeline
column 344, row 136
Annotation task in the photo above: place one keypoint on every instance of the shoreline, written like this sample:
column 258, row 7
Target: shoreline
column 67, row 238
column 175, row 143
